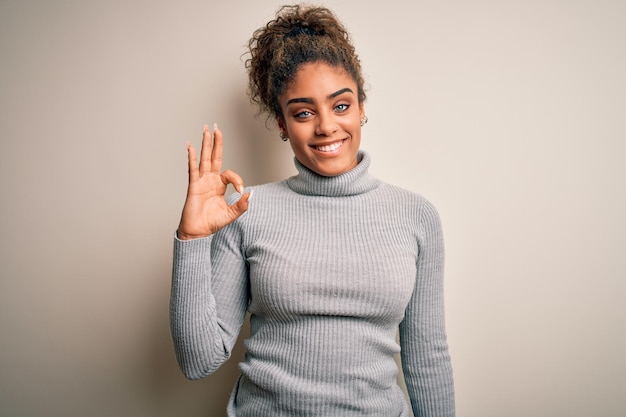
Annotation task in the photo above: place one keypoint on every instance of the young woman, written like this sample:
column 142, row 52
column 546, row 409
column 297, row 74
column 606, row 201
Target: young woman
column 330, row 263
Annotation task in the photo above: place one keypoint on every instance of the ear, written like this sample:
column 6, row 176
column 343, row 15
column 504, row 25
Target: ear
column 281, row 125
column 361, row 110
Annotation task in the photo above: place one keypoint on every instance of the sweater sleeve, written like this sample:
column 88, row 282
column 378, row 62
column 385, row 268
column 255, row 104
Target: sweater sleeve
column 424, row 348
column 208, row 302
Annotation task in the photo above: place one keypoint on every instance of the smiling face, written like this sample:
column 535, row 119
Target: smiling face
column 322, row 118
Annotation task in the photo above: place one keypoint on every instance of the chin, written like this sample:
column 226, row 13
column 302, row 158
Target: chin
column 330, row 169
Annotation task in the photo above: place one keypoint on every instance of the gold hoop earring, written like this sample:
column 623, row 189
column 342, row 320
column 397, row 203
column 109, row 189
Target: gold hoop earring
column 363, row 120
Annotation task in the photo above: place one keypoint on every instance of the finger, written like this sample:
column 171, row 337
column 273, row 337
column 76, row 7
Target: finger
column 241, row 206
column 192, row 160
column 205, row 153
column 217, row 151
column 231, row 177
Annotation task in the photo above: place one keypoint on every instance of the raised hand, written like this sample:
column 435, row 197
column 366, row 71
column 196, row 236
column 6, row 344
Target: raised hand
column 206, row 211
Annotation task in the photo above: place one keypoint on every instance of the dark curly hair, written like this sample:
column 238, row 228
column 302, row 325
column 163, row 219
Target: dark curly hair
column 299, row 34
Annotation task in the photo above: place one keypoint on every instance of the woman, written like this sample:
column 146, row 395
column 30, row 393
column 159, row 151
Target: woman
column 330, row 263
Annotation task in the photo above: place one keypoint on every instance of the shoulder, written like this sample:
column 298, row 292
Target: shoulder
column 266, row 191
column 266, row 201
column 270, row 188
column 409, row 204
column 406, row 197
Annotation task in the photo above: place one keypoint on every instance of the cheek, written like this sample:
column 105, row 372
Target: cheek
column 299, row 131
column 354, row 125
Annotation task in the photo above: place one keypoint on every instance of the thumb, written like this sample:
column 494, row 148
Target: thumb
column 241, row 206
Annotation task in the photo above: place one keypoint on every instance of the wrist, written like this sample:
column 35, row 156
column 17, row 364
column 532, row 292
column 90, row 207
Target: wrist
column 184, row 236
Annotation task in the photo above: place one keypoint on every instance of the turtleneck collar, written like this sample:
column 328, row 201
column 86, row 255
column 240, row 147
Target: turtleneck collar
column 356, row 181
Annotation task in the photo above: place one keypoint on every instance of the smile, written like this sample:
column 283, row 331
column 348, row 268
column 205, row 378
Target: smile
column 330, row 147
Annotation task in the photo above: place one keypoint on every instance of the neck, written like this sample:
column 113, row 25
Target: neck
column 352, row 182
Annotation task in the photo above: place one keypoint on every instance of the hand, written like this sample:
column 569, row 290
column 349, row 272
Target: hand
column 206, row 211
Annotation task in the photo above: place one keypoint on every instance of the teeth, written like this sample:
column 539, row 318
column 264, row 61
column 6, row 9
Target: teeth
column 329, row 148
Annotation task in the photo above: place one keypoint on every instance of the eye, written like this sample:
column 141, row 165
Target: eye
column 302, row 115
column 340, row 108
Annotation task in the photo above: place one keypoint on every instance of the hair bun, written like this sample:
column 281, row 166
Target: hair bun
column 301, row 28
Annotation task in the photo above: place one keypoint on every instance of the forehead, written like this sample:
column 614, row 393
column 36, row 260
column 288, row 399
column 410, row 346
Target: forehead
column 318, row 80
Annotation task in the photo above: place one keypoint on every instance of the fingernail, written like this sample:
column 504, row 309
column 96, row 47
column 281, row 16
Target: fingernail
column 214, row 127
column 249, row 196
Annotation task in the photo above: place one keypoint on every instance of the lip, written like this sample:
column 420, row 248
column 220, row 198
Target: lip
column 334, row 152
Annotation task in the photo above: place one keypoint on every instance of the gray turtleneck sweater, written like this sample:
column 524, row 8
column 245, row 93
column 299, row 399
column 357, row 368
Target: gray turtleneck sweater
column 329, row 268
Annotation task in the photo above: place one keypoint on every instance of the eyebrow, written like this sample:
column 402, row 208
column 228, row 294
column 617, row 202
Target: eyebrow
column 310, row 101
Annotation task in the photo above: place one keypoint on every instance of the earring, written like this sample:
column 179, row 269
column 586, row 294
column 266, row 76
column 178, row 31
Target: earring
column 284, row 137
column 363, row 120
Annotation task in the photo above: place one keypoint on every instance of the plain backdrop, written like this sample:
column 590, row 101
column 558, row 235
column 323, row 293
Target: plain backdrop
column 509, row 115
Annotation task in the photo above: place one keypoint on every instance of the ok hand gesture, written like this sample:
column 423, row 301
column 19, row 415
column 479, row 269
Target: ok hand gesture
column 206, row 211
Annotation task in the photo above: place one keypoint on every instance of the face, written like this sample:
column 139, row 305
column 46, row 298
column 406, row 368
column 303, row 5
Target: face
column 322, row 118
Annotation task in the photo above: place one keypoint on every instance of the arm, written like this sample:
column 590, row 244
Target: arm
column 424, row 348
column 209, row 290
column 208, row 301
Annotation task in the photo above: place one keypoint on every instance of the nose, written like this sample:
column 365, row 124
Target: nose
column 326, row 124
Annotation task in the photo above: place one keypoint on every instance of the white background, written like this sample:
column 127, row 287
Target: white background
column 509, row 115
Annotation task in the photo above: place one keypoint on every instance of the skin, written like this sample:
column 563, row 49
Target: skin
column 205, row 210
column 322, row 119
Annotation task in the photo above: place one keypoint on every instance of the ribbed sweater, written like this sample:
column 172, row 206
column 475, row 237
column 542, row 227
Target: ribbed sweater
column 330, row 269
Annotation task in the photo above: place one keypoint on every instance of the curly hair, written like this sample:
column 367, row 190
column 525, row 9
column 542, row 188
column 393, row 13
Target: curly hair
column 299, row 34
